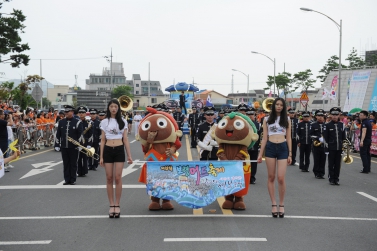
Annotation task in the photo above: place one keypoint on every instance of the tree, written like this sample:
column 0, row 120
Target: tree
column 302, row 80
column 11, row 26
column 7, row 91
column 46, row 103
column 354, row 60
column 269, row 82
column 331, row 64
column 120, row 91
column 284, row 82
column 24, row 87
column 371, row 60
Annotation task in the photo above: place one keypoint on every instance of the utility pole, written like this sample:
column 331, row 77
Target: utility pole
column 111, row 70
column 40, row 65
column 149, row 83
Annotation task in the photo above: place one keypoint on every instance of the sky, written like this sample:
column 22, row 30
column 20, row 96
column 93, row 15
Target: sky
column 198, row 41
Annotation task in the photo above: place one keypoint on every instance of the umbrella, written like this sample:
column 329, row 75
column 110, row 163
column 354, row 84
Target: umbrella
column 355, row 110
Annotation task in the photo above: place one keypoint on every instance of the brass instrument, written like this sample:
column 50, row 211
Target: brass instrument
column 125, row 102
column 346, row 145
column 88, row 152
column 267, row 104
column 316, row 141
column 89, row 126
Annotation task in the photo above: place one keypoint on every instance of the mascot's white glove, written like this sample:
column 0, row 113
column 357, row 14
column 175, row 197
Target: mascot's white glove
column 321, row 139
column 57, row 149
column 88, row 147
column 213, row 143
column 204, row 146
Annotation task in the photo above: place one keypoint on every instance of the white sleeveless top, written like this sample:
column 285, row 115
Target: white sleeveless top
column 275, row 128
column 111, row 128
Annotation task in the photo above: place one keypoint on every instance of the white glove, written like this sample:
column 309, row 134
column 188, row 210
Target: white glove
column 321, row 139
column 204, row 146
column 327, row 153
column 213, row 143
column 57, row 149
column 88, row 147
column 79, row 149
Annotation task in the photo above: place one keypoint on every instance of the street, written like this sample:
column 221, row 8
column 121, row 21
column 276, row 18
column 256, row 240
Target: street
column 38, row 213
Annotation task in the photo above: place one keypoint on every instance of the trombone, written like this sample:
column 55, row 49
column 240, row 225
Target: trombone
column 88, row 152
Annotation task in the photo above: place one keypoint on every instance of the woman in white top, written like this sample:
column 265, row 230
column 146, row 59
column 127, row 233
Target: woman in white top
column 277, row 142
column 113, row 141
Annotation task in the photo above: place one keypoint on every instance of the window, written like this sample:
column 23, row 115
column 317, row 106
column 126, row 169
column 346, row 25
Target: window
column 154, row 100
column 137, row 85
column 153, row 88
column 100, row 80
column 137, row 92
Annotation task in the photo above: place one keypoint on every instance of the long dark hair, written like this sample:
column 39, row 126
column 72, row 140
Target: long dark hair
column 118, row 115
column 283, row 122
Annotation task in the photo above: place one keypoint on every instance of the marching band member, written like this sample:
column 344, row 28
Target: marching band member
column 129, row 116
column 333, row 136
column 179, row 118
column 208, row 149
column 319, row 156
column 221, row 115
column 253, row 151
column 101, row 115
column 82, row 168
column 242, row 108
column 68, row 127
column 193, row 122
column 294, row 122
column 304, row 142
column 137, row 119
column 95, row 138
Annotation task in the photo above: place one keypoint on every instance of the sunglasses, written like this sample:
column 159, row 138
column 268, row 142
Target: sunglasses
column 82, row 112
column 210, row 114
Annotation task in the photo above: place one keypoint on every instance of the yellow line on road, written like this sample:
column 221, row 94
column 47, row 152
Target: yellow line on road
column 35, row 154
column 189, row 158
column 221, row 200
column 360, row 158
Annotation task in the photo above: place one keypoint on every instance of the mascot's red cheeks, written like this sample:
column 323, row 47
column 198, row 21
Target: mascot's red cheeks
column 229, row 133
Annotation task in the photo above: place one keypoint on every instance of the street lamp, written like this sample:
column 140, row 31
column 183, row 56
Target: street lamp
column 247, row 94
column 273, row 61
column 339, row 26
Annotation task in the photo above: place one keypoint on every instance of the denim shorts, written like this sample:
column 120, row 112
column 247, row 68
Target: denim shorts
column 277, row 150
column 114, row 154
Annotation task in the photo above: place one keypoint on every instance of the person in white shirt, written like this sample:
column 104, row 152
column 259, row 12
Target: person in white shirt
column 137, row 119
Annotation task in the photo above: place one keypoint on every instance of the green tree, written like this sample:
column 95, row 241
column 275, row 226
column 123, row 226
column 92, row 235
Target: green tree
column 284, row 82
column 302, row 80
column 331, row 64
column 24, row 87
column 46, row 103
column 11, row 26
column 7, row 90
column 269, row 82
column 121, row 90
column 372, row 60
column 354, row 60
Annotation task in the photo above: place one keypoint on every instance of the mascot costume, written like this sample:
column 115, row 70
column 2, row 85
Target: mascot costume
column 235, row 133
column 159, row 136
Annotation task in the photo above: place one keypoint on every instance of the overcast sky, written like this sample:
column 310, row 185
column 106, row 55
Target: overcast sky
column 200, row 40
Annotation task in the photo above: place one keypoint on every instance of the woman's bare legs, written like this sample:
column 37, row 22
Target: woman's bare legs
column 109, row 184
column 282, row 169
column 271, row 170
column 118, row 184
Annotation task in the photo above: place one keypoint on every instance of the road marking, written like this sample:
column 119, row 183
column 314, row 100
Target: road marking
column 42, row 170
column 35, row 154
column 221, row 200
column 24, row 242
column 64, row 187
column 360, row 158
column 368, row 196
column 297, row 164
column 214, row 239
column 133, row 141
column 186, row 216
column 129, row 169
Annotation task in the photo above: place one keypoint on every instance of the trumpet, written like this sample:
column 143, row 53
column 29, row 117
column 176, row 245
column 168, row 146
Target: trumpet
column 88, row 152
column 346, row 145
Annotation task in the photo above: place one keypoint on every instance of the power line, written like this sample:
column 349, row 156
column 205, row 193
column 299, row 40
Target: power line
column 66, row 58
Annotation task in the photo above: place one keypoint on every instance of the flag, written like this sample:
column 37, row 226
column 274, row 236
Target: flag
column 348, row 90
column 208, row 102
column 281, row 94
column 241, row 101
column 332, row 94
column 270, row 94
column 325, row 93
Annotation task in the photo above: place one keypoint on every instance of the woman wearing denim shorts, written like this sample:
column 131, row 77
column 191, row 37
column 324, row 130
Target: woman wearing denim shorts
column 277, row 143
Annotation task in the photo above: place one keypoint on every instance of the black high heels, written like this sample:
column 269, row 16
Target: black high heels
column 281, row 214
column 274, row 214
column 117, row 215
column 112, row 214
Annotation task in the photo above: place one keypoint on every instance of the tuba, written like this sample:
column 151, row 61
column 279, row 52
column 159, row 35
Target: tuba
column 267, row 104
column 125, row 102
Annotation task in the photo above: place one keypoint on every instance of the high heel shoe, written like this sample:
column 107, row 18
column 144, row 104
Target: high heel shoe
column 111, row 215
column 281, row 214
column 117, row 215
column 274, row 214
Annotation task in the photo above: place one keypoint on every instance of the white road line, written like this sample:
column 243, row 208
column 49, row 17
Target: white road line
column 213, row 239
column 297, row 164
column 132, row 141
column 64, row 187
column 24, row 242
column 368, row 196
column 186, row 216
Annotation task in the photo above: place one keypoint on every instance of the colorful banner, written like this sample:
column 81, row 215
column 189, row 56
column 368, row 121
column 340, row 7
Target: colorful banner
column 357, row 90
column 194, row 184
column 373, row 147
column 373, row 99
column 334, row 87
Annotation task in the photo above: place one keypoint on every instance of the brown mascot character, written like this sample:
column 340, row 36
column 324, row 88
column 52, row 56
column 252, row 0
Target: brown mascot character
column 235, row 133
column 159, row 136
